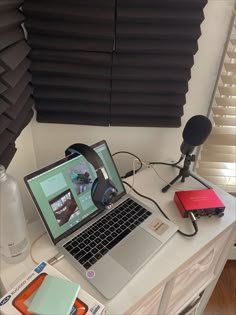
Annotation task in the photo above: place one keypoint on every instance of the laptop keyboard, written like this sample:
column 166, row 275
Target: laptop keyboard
column 92, row 244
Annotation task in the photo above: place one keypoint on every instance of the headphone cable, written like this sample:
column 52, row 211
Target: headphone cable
column 191, row 215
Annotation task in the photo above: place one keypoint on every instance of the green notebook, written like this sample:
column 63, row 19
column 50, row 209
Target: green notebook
column 54, row 296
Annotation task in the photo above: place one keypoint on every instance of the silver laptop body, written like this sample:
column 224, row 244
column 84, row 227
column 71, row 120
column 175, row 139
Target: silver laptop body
column 107, row 246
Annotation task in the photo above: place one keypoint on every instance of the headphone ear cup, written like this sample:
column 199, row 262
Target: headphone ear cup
column 103, row 193
column 96, row 197
column 94, row 186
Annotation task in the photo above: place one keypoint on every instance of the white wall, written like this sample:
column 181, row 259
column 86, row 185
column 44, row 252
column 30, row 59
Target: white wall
column 50, row 140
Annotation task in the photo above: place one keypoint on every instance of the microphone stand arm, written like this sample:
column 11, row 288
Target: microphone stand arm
column 183, row 172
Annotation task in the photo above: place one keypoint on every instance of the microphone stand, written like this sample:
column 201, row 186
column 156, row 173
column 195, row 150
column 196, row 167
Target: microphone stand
column 183, row 172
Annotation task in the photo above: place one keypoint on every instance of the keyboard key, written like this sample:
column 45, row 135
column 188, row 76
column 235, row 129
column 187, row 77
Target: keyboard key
column 87, row 248
column 114, row 234
column 98, row 256
column 109, row 238
column 99, row 246
column 87, row 265
column 74, row 251
column 103, row 251
column 92, row 260
column 80, row 254
column 68, row 247
column 92, row 244
column 94, row 250
column 104, row 242
column 85, row 258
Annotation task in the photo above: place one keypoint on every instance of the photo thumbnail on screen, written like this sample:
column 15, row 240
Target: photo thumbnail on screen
column 80, row 177
column 64, row 207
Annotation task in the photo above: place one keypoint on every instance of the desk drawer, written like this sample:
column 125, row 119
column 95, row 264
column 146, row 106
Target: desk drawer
column 196, row 275
column 149, row 304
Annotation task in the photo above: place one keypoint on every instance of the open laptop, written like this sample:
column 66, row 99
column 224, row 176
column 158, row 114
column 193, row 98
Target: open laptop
column 107, row 246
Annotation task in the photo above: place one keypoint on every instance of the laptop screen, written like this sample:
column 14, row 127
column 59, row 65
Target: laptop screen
column 62, row 191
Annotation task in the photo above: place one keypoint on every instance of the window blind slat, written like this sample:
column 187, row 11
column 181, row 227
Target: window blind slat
column 225, row 101
column 216, row 165
column 41, row 80
column 220, row 149
column 63, row 11
column 148, row 121
column 70, row 69
column 72, row 94
column 231, row 54
column 47, row 105
column 66, row 117
column 153, row 14
column 141, row 73
column 153, row 60
column 217, row 157
column 230, row 67
column 149, row 86
column 225, row 121
column 221, row 139
column 69, row 28
column 156, row 46
column 224, row 111
column 227, row 91
column 228, row 79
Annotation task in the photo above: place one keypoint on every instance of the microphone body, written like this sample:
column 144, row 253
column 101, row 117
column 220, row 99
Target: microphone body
column 195, row 133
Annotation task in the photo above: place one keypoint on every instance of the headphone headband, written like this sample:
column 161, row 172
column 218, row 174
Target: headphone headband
column 103, row 191
column 88, row 153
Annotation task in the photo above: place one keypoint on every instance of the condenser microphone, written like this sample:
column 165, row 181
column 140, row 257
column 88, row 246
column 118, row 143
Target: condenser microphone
column 195, row 133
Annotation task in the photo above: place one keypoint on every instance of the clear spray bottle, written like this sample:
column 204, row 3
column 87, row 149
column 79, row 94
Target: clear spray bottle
column 14, row 244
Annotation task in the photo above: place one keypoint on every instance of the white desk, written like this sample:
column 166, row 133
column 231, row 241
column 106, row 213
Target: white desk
column 182, row 269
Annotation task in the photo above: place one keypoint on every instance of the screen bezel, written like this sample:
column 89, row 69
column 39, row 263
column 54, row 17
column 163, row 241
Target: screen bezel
column 87, row 219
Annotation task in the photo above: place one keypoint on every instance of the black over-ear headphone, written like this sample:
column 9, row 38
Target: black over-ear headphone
column 103, row 190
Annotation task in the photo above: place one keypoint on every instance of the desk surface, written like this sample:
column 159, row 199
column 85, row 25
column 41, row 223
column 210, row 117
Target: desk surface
column 175, row 254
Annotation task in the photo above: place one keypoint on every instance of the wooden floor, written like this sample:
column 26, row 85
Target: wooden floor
column 223, row 299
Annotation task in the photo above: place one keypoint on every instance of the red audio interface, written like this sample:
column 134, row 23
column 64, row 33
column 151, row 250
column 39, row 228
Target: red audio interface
column 201, row 202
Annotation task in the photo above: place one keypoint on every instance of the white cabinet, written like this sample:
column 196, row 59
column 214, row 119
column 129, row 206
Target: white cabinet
column 184, row 292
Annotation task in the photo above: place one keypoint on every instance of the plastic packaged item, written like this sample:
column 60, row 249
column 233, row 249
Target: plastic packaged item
column 14, row 244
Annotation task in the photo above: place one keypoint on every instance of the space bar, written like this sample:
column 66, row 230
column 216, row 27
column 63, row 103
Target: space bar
column 118, row 239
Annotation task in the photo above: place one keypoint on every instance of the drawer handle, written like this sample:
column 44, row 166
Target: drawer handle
column 203, row 267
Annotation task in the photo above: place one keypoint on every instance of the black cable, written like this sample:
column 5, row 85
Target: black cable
column 130, row 173
column 171, row 164
column 148, row 198
column 193, row 219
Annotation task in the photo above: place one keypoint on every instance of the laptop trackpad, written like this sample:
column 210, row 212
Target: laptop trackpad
column 132, row 252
